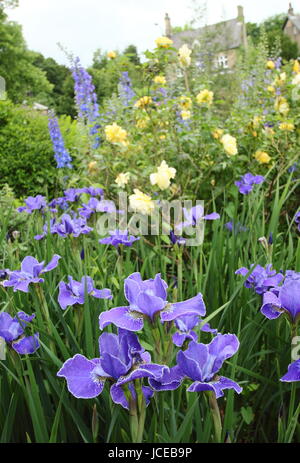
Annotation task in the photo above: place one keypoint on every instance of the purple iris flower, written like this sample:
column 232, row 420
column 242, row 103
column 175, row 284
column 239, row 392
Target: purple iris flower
column 31, row 271
column 94, row 205
column 33, row 203
column 201, row 363
column 66, row 226
column 61, row 202
column 247, row 182
column 293, row 373
column 73, row 292
column 93, row 191
column 122, row 360
column 148, row 298
column 12, row 331
column 283, row 299
column 297, row 219
column 185, row 325
column 177, row 239
column 72, row 195
column 261, row 278
column 235, row 227
column 194, row 216
column 118, row 237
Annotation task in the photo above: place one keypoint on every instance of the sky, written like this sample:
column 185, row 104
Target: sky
column 83, row 26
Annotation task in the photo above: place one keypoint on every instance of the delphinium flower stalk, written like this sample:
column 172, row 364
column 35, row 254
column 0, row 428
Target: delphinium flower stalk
column 86, row 99
column 61, row 154
column 126, row 92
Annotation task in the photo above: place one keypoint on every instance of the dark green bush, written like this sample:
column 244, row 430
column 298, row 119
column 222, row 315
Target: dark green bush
column 27, row 161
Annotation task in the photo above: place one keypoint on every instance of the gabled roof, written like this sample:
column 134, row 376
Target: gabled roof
column 295, row 19
column 225, row 35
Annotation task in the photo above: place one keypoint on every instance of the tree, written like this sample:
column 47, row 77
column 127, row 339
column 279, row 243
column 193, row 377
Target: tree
column 274, row 33
column 132, row 53
column 23, row 79
column 62, row 95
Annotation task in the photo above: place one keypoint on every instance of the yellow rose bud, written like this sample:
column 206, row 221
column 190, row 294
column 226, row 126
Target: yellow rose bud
column 229, row 144
column 111, row 54
column 262, row 157
column 163, row 42
column 205, row 97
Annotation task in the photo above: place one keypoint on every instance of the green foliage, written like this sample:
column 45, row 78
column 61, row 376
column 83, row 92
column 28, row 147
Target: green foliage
column 23, row 79
column 273, row 28
column 26, row 153
column 62, row 95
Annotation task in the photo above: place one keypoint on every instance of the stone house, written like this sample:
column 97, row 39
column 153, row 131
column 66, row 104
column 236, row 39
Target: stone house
column 291, row 26
column 217, row 43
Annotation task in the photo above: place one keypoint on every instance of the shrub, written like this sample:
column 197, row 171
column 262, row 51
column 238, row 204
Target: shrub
column 26, row 154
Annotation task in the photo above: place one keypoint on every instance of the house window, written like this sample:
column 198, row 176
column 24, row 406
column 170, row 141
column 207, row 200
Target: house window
column 222, row 61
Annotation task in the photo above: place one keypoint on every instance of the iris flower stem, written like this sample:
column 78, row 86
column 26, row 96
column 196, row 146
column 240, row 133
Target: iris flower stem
column 292, row 402
column 214, row 408
column 179, row 272
column 45, row 312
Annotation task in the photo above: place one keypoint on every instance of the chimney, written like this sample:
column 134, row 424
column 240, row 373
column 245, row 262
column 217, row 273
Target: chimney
column 168, row 28
column 240, row 15
column 291, row 10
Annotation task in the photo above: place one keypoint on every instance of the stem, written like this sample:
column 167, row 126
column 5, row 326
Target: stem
column 214, row 408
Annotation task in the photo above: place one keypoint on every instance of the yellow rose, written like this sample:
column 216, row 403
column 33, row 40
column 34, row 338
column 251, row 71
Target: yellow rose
column 140, row 202
column 286, row 126
column 162, row 177
column 115, row 134
column 296, row 80
column 205, row 96
column 111, row 54
column 270, row 64
column 160, row 80
column 185, row 115
column 217, row 133
column 92, row 167
column 122, row 179
column 142, row 123
column 281, row 105
column 229, row 144
column 262, row 157
column 296, row 66
column 185, row 102
column 143, row 102
column 163, row 42
column 184, row 56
